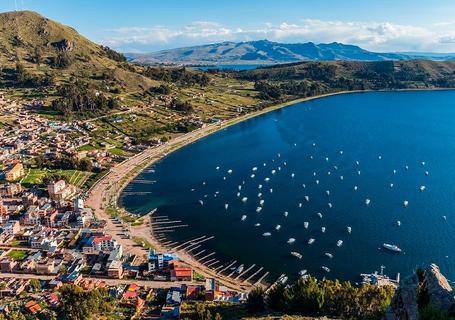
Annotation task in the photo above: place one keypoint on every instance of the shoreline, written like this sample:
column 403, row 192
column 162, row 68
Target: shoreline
column 112, row 184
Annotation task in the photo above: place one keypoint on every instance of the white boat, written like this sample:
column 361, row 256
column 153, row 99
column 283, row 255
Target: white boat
column 266, row 234
column 327, row 192
column 355, row 188
column 406, row 167
column 311, row 157
column 357, row 163
column 405, row 203
column 329, row 255
column 307, row 198
column 217, row 168
column 398, row 223
column 422, row 163
column 300, row 204
column 314, row 144
column 296, row 254
column 349, row 229
column 239, row 187
column 394, row 171
column 240, row 269
column 322, row 229
column 285, row 164
column 224, row 178
column 252, row 176
column 226, row 206
column 277, row 227
column 238, row 194
column 279, row 155
column 422, row 188
column 358, row 172
column 273, row 171
column 341, row 151
column 319, row 215
column 335, row 167
column 264, row 164
column 314, row 173
column 330, row 205
column 229, row 171
column 201, row 202
column 259, row 194
column 267, row 179
column 302, row 272
column 244, row 199
column 303, row 186
column 444, row 217
column 257, row 224
column 285, row 213
column 367, row 201
column 317, row 181
column 292, row 175
column 341, row 178
column 255, row 168
column 192, row 190
column 291, row 240
column 260, row 186
column 327, row 159
column 271, row 190
column 311, row 241
column 279, row 168
column 325, row 269
column 329, row 173
column 379, row 157
column 261, row 202
column 391, row 185
column 427, row 173
column 305, row 224
column 258, row 209
column 339, row 243
column 243, row 218
column 391, row 247
column 203, row 183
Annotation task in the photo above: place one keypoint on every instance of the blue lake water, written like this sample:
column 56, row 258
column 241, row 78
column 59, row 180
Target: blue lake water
column 234, row 67
column 383, row 131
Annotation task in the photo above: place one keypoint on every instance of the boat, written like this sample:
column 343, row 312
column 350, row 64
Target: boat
column 339, row 243
column 314, row 173
column 357, row 163
column 427, row 173
column 398, row 223
column 260, row 186
column 243, row 218
column 329, row 255
column 319, row 215
column 311, row 241
column 307, row 198
column 302, row 272
column 292, row 175
column 314, row 144
column 300, row 204
column 422, row 163
column 229, row 171
column 285, row 213
column 239, row 269
column 325, row 269
column 259, row 194
column 358, row 172
column 192, row 190
column 273, row 171
column 261, row 202
column 341, row 151
column 277, row 227
column 239, row 187
column 217, row 168
column 201, row 202
column 355, row 188
column 291, row 240
column 252, row 176
column 349, row 229
column 317, row 181
column 327, row 192
column 406, row 167
column 305, row 224
column 244, row 199
column 405, row 203
column 329, row 173
column 444, row 217
column 266, row 234
column 322, row 229
column 391, row 185
column 311, row 157
column 391, row 247
column 341, row 177
column 285, row 164
column 279, row 155
column 379, row 157
column 254, row 169
column 335, row 167
column 422, row 188
column 330, row 205
column 303, row 186
column 267, row 179
column 394, row 171
column 367, row 201
column 258, row 209
column 271, row 190
column 238, row 194
column 257, row 224
column 226, row 206
column 296, row 254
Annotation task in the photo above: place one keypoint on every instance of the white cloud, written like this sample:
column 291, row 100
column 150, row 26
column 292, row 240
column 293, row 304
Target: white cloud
column 376, row 36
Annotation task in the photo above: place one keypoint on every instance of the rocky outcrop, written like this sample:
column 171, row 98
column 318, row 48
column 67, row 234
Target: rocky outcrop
column 63, row 45
column 426, row 287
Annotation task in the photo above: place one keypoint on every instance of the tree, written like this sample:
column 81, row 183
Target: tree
column 62, row 60
column 255, row 302
column 85, row 165
column 35, row 284
column 201, row 311
column 218, row 316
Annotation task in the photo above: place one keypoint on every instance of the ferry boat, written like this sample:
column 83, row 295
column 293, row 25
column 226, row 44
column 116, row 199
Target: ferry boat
column 296, row 254
column 329, row 255
column 339, row 243
column 391, row 247
column 311, row 241
column 266, row 234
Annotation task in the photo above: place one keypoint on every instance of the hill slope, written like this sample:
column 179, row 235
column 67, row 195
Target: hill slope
column 44, row 46
column 263, row 52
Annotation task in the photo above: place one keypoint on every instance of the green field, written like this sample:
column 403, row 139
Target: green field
column 74, row 177
column 17, row 255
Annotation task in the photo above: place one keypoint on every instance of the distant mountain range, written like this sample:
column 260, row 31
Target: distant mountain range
column 268, row 52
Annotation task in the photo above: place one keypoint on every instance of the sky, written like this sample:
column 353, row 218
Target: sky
column 152, row 25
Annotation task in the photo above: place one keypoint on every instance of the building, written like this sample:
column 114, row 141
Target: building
column 59, row 190
column 96, row 244
column 3, row 209
column 115, row 269
column 180, row 273
column 15, row 172
column 11, row 228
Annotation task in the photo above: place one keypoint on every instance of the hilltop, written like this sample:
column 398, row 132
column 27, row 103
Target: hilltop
column 263, row 52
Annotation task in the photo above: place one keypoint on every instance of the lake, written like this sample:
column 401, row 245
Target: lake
column 309, row 151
